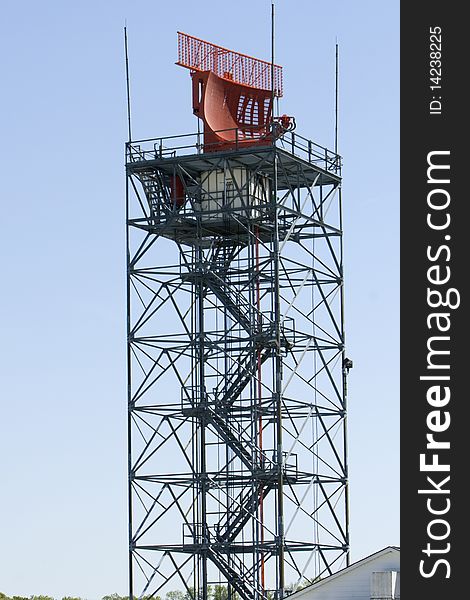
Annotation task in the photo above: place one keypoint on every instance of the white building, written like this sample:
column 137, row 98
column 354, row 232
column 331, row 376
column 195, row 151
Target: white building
column 376, row 577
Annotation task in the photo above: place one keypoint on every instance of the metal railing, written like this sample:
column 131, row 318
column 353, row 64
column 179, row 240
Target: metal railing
column 193, row 143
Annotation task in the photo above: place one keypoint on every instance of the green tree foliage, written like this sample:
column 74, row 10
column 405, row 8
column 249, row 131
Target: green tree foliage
column 118, row 597
column 220, row 592
column 115, row 597
column 176, row 595
column 295, row 587
column 215, row 592
column 5, row 597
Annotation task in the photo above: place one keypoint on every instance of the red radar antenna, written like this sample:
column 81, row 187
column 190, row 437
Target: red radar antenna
column 232, row 93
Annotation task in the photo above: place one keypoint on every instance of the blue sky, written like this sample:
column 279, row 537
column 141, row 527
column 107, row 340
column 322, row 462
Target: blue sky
column 63, row 520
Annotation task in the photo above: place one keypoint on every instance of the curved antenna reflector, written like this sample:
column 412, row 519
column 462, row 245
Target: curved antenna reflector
column 198, row 55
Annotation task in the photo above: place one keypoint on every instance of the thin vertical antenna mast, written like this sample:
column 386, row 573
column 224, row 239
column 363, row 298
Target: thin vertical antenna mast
column 336, row 100
column 129, row 131
column 280, row 585
column 272, row 60
column 129, row 360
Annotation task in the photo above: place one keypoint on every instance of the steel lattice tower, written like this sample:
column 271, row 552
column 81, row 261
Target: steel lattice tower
column 236, row 365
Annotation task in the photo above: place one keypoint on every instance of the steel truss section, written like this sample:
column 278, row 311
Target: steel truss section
column 236, row 371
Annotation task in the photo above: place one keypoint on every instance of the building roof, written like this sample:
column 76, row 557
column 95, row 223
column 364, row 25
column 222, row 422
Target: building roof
column 352, row 567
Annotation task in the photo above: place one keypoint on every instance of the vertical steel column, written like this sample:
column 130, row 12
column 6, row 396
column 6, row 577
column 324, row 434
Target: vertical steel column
column 200, row 334
column 129, row 394
column 345, row 385
column 278, row 388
